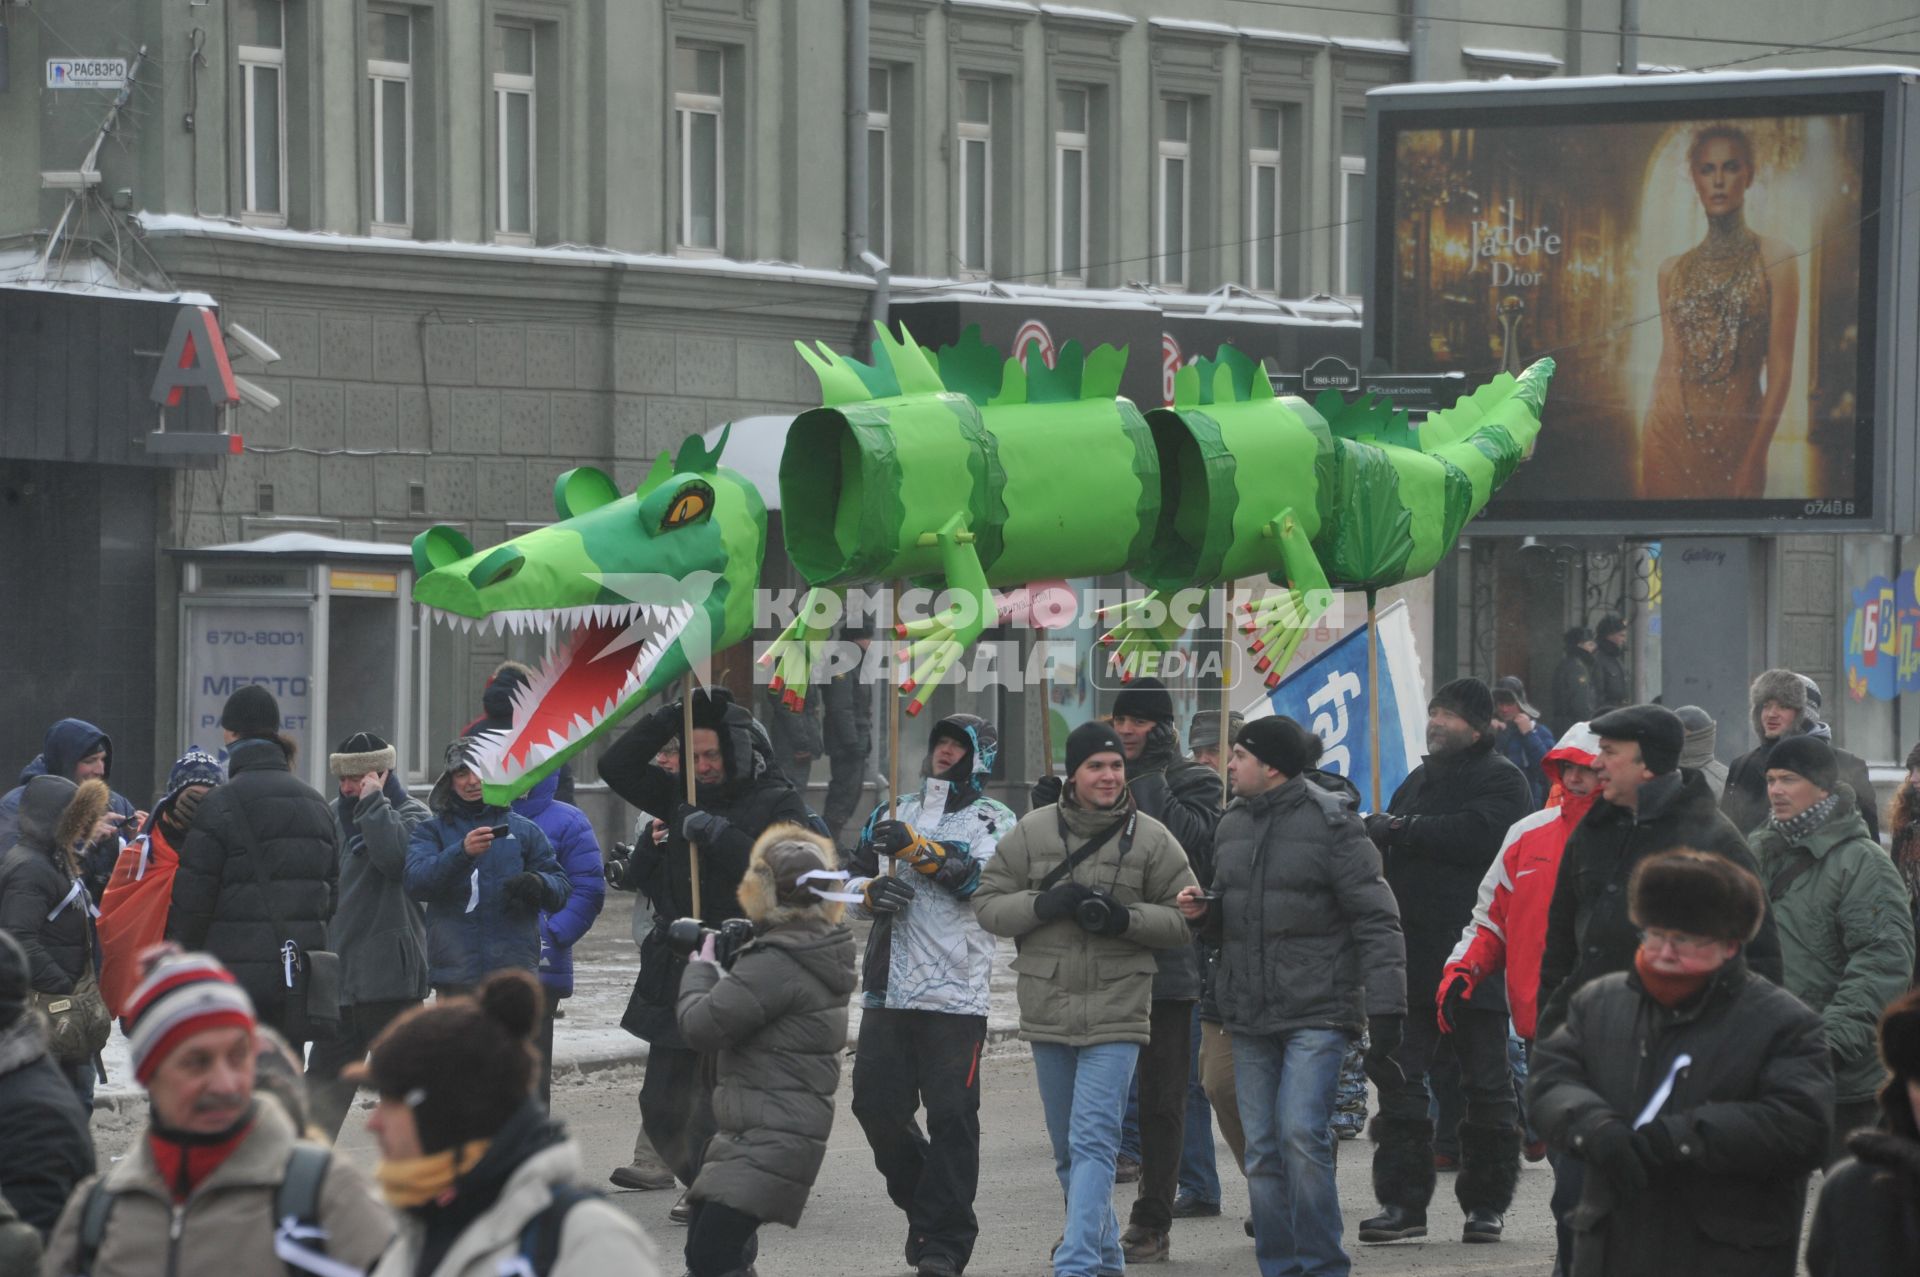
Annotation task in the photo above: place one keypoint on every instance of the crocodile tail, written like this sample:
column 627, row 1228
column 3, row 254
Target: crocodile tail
column 1491, row 431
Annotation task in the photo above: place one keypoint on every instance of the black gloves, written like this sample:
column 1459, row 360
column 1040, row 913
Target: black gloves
column 1383, row 1039
column 528, row 889
column 888, row 895
column 1046, row 791
column 1384, row 829
column 1610, row 1150
column 891, row 837
column 696, row 825
column 1655, row 1146
column 1453, row 997
column 1059, row 900
column 1112, row 921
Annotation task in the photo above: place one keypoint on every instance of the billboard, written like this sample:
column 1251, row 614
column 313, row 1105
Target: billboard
column 1703, row 257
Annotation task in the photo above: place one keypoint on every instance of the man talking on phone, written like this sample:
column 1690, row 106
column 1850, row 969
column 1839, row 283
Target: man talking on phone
column 484, row 874
column 1311, row 954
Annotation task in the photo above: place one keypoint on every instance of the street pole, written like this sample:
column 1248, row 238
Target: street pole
column 686, row 769
column 1373, row 700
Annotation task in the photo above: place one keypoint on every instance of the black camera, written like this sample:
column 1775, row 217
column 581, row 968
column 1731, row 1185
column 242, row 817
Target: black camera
column 686, row 935
column 1095, row 913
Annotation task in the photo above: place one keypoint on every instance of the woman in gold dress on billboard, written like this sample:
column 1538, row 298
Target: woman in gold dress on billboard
column 1728, row 309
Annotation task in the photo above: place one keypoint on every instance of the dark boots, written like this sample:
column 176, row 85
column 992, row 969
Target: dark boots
column 1403, row 1178
column 1489, row 1174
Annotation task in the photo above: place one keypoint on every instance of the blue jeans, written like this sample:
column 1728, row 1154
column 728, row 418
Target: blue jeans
column 1286, row 1084
column 1198, row 1176
column 1083, row 1091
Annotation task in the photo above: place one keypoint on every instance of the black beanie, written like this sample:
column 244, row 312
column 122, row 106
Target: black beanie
column 1656, row 729
column 1146, row 699
column 1280, row 743
column 1089, row 739
column 1807, row 756
column 1470, row 699
column 251, row 711
column 465, row 1064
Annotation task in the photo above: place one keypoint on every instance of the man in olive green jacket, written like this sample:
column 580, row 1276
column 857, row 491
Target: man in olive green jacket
column 1086, row 933
column 1846, row 932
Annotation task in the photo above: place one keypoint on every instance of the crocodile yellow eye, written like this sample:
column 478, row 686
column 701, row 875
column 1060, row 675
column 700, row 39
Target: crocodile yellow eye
column 689, row 504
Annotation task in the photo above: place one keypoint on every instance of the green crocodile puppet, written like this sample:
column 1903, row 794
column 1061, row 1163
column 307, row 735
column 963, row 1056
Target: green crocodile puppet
column 638, row 590
column 961, row 472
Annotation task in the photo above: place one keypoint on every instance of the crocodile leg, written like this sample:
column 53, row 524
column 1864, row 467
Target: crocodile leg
column 937, row 641
column 1278, row 621
column 801, row 646
column 1141, row 627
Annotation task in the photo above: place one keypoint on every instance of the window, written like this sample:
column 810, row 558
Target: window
column 879, row 166
column 390, row 82
column 262, row 30
column 1263, row 211
column 975, row 136
column 1070, row 188
column 698, row 109
column 516, row 164
column 1353, row 193
column 1175, row 194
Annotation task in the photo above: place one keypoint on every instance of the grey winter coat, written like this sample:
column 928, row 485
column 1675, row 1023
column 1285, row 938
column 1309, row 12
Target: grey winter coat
column 778, row 1022
column 1748, row 1118
column 39, row 906
column 380, row 934
column 1309, row 931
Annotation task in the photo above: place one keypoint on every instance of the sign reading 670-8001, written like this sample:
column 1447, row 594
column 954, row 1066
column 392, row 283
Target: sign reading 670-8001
column 86, row 73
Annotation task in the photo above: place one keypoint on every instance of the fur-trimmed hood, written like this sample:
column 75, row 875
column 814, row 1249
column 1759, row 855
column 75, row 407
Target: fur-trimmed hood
column 57, row 814
column 771, row 893
column 1792, row 691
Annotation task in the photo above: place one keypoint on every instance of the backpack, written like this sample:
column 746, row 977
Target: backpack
column 300, row 1240
column 540, row 1239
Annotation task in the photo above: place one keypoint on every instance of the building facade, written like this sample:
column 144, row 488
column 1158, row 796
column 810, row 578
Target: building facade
column 490, row 242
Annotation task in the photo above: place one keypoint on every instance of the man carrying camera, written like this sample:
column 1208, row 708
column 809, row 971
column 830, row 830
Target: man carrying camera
column 1311, row 954
column 737, row 797
column 927, row 979
column 1086, row 888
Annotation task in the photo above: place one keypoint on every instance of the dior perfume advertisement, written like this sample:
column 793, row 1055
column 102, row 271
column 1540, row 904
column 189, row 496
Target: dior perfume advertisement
column 1702, row 274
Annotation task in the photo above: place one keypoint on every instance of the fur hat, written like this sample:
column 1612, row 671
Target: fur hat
column 771, row 891
column 1806, row 756
column 1147, row 699
column 1656, row 729
column 1786, row 689
column 361, row 753
column 1280, row 743
column 251, row 711
column 1576, row 635
column 465, row 1064
column 1609, row 625
column 1698, row 892
column 1204, row 731
column 88, row 805
column 1468, row 698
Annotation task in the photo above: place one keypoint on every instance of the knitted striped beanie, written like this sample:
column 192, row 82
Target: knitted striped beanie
column 181, row 995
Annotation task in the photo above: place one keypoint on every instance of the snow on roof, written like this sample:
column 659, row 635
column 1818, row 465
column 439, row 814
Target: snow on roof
column 182, row 224
column 1517, row 57
column 310, row 544
column 84, row 273
column 1579, row 82
column 908, row 289
column 1074, row 13
column 1359, row 44
column 1284, row 37
column 1003, row 6
column 1193, row 26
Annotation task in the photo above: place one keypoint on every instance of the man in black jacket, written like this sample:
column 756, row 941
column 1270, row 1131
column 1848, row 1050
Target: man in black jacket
column 737, row 795
column 1186, row 798
column 44, row 1146
column 1696, row 1095
column 1787, row 704
column 1646, row 805
column 1611, row 687
column 1441, row 831
column 263, row 810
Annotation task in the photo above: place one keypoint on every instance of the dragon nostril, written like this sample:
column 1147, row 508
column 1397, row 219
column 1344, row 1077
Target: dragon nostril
column 497, row 567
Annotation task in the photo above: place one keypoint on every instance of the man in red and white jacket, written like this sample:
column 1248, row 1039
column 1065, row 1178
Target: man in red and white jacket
column 1508, row 931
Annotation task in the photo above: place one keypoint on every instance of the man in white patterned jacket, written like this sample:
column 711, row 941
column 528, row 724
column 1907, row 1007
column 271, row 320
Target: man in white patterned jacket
column 926, row 984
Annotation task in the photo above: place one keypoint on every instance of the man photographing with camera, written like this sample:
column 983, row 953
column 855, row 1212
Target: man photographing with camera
column 1086, row 889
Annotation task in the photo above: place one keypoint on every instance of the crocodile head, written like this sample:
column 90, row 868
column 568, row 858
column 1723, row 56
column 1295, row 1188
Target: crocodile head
column 633, row 591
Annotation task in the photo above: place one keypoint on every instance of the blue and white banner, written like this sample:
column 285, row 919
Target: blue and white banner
column 1328, row 696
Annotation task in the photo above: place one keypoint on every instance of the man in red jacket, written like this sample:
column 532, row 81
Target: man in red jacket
column 1509, row 927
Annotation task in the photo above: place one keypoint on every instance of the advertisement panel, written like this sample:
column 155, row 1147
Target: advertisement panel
column 1702, row 258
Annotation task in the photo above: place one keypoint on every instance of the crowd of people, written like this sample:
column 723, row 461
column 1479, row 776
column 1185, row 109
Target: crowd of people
column 1687, row 987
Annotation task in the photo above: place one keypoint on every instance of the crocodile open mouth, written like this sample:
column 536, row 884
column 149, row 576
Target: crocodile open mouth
column 601, row 656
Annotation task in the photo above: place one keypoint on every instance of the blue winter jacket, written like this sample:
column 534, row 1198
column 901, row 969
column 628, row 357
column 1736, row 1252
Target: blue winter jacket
column 65, row 744
column 472, row 928
column 571, row 834
column 1525, row 752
